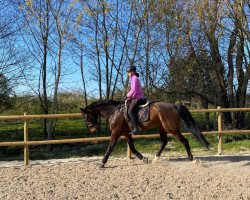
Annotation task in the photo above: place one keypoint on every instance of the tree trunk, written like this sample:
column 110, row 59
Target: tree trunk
column 55, row 96
column 46, row 104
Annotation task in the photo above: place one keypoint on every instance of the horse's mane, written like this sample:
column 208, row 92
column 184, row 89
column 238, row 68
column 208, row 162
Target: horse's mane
column 102, row 103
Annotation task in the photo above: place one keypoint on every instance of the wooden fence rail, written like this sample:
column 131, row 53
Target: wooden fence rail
column 26, row 143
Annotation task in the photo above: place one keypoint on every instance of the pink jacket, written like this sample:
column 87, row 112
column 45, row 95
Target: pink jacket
column 135, row 88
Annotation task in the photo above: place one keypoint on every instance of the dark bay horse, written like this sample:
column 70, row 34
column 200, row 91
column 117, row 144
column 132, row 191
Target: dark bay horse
column 167, row 117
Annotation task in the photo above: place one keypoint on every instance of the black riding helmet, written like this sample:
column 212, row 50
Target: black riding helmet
column 131, row 69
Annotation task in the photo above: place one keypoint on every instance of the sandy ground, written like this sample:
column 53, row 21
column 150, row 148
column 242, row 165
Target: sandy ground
column 211, row 177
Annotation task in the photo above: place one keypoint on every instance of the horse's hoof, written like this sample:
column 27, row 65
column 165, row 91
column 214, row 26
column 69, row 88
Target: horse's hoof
column 145, row 160
column 101, row 166
column 191, row 158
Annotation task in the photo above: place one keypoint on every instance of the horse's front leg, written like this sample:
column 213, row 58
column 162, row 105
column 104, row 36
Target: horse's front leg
column 110, row 148
column 134, row 151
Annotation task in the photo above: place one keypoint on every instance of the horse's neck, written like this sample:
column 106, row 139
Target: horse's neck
column 106, row 111
column 116, row 115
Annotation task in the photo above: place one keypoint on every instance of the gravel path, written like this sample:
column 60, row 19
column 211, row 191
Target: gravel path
column 211, row 177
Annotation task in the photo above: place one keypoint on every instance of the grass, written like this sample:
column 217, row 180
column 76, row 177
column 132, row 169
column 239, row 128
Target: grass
column 74, row 128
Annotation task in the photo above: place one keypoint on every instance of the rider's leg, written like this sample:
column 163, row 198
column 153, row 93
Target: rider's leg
column 133, row 117
column 134, row 121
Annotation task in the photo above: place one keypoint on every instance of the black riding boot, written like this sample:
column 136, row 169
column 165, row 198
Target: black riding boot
column 134, row 122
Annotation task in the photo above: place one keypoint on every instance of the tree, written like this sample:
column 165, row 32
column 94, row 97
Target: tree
column 231, row 76
column 38, row 25
column 214, row 43
column 78, row 58
column 185, row 49
column 62, row 12
column 50, row 29
column 13, row 56
column 5, row 90
column 111, row 44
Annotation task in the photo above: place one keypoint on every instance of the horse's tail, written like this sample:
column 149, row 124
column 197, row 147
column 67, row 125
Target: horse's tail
column 192, row 125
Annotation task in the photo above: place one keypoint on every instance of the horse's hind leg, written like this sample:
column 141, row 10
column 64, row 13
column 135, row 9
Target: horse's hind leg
column 185, row 142
column 164, row 141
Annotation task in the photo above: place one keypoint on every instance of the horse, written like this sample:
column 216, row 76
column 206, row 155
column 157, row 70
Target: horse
column 166, row 116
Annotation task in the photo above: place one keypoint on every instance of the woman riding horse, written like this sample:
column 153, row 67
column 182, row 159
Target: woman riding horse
column 166, row 116
column 136, row 96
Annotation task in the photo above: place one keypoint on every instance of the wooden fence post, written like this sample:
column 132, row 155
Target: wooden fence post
column 128, row 152
column 220, row 149
column 25, row 139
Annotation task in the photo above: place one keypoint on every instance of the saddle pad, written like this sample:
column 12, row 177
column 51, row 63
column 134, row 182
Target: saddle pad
column 143, row 114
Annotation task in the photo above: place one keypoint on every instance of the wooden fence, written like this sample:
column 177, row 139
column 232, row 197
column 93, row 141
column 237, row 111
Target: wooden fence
column 26, row 143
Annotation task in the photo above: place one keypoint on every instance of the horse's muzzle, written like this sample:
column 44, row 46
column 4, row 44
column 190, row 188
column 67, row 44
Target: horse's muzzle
column 93, row 129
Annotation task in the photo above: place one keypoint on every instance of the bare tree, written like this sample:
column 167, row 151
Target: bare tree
column 62, row 13
column 231, row 79
column 106, row 48
column 212, row 50
column 13, row 56
column 78, row 51
column 38, row 25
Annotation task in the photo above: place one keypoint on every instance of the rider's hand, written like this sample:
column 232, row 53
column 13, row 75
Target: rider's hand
column 126, row 99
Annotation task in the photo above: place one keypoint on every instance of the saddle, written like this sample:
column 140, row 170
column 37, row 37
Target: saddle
column 142, row 112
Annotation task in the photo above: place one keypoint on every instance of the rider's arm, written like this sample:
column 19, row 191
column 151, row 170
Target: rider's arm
column 132, row 91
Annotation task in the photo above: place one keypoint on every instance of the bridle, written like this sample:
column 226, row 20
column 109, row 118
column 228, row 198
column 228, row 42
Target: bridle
column 91, row 118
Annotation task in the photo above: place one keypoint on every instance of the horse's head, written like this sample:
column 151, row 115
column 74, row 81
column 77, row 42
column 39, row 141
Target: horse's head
column 91, row 119
column 102, row 108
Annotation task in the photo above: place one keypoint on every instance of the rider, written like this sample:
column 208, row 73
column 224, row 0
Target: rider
column 136, row 95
